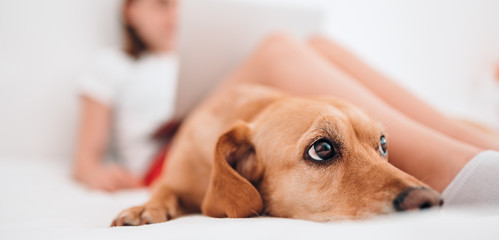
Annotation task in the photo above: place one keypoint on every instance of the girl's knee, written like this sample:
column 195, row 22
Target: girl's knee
column 277, row 45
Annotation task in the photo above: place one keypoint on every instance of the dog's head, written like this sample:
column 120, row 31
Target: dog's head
column 318, row 159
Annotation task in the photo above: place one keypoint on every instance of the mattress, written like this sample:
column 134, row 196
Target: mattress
column 40, row 200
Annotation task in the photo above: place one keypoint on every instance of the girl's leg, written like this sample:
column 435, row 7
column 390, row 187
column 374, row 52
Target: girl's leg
column 414, row 148
column 398, row 97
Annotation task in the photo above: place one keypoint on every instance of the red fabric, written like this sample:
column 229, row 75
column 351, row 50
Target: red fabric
column 156, row 166
column 164, row 133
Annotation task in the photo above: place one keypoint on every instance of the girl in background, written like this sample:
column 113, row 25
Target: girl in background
column 116, row 97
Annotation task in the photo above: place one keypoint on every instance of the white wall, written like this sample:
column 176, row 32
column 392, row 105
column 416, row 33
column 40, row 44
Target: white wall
column 440, row 49
column 43, row 46
column 436, row 48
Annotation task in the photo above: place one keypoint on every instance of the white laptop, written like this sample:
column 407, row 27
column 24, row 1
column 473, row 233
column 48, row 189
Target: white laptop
column 216, row 35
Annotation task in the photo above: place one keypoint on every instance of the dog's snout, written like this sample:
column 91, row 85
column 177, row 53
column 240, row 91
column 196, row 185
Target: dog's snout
column 417, row 198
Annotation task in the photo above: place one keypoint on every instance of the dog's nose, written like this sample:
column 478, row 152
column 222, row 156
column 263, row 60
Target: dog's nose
column 417, row 198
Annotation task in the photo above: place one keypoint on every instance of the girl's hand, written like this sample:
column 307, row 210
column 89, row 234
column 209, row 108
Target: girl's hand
column 107, row 177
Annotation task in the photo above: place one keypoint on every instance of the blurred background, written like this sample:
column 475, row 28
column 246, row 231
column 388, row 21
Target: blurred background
column 444, row 51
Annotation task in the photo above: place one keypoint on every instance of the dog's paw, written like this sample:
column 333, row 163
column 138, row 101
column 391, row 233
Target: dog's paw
column 145, row 214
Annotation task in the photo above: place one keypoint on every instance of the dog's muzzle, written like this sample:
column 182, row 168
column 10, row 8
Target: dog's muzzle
column 417, row 198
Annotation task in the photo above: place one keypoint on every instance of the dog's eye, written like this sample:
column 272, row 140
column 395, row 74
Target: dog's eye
column 321, row 150
column 382, row 148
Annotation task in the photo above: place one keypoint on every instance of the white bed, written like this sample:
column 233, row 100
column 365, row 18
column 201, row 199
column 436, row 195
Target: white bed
column 39, row 200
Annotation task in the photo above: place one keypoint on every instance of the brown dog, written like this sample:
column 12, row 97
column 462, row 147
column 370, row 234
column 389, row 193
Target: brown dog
column 254, row 150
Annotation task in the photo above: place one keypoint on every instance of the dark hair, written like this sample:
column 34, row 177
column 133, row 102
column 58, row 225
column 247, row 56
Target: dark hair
column 133, row 45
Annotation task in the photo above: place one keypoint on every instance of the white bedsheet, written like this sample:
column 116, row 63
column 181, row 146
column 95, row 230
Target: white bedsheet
column 39, row 200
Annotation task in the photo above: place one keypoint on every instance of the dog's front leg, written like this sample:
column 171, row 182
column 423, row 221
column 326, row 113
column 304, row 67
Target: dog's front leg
column 163, row 206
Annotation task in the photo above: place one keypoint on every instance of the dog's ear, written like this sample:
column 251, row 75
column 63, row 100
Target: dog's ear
column 230, row 192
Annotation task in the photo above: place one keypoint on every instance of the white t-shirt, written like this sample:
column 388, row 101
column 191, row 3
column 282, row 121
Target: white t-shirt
column 141, row 94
